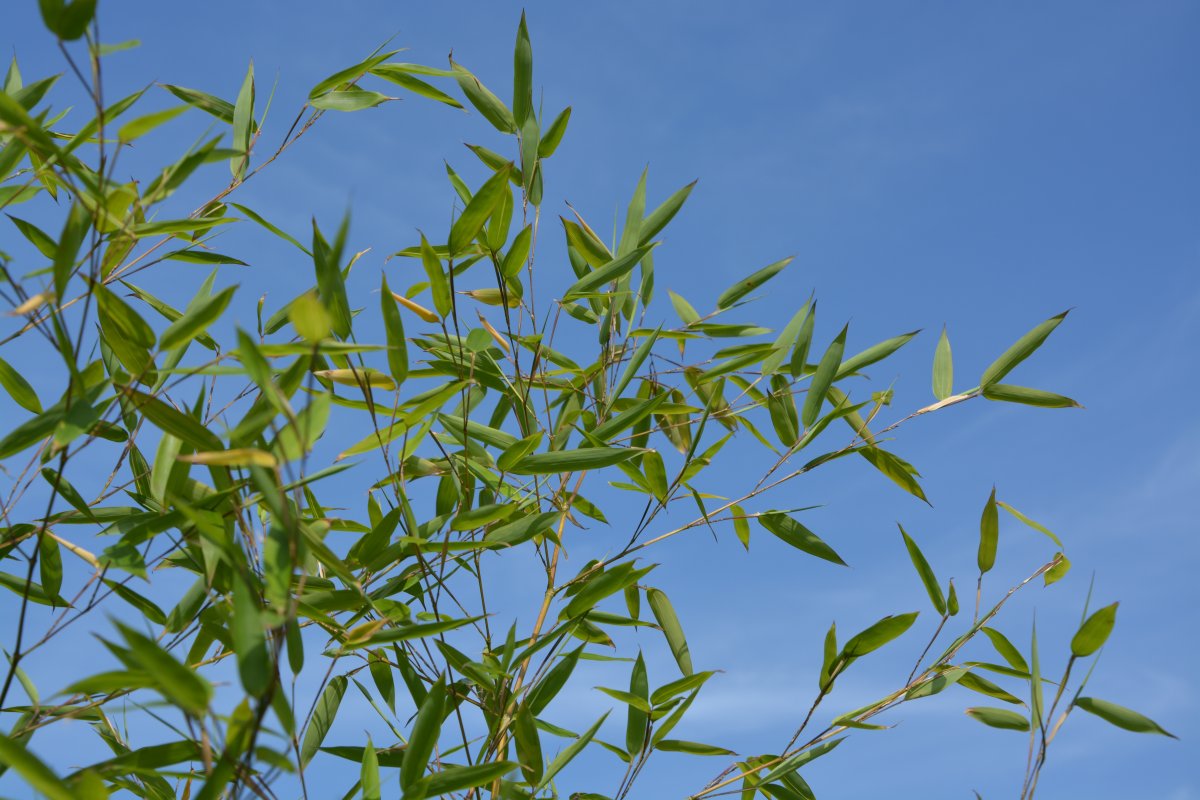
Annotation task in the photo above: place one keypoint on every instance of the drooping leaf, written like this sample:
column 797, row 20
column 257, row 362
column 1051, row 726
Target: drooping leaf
column 664, row 614
column 932, row 587
column 1120, row 716
column 999, row 718
column 798, row 536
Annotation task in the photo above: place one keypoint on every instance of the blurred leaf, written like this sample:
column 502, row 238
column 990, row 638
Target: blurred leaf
column 1120, row 716
column 32, row 770
column 18, row 388
column 1093, row 633
column 999, row 718
column 1031, row 397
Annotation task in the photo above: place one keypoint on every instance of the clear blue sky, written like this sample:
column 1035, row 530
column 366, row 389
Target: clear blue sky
column 979, row 165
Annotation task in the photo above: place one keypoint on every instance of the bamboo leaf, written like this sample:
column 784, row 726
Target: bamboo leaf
column 822, row 379
column 999, row 718
column 1120, row 716
column 1021, row 350
column 798, row 536
column 932, row 587
column 751, row 282
column 664, row 614
column 1093, row 633
column 989, row 534
column 943, row 368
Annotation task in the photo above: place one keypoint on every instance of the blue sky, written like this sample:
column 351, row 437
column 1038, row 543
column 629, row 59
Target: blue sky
column 982, row 166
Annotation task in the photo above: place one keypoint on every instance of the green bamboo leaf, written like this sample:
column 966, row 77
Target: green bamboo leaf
column 199, row 314
column 529, row 745
column 486, row 103
column 687, row 314
column 657, row 219
column 799, row 363
column 638, row 717
column 483, row 203
column 424, row 736
column 394, row 328
column 1093, row 633
column 75, row 228
column 822, row 379
column 1037, row 526
column 172, row 421
column 566, row 461
column 751, row 282
column 518, row 253
column 552, row 136
column 601, row 585
column 522, row 75
column 249, row 639
column 989, row 534
column 322, row 718
column 568, row 753
column 221, row 109
column 691, row 748
column 1120, row 716
column 140, row 126
column 613, row 270
column 18, row 388
column 69, row 493
column 897, row 469
column 31, row 590
column 970, row 680
column 401, row 75
column 1006, row 649
column 679, row 686
column 33, row 771
column 665, row 615
column 635, row 363
column 68, row 19
column 50, row 564
column 456, row 779
column 243, row 124
column 943, row 368
column 1035, row 678
column 370, row 773
column 879, row 634
column 932, row 587
column 179, row 684
column 781, row 406
column 999, row 718
column 331, row 282
column 1021, row 350
column 873, row 354
column 556, row 678
column 1058, row 571
column 1007, row 393
column 798, row 536
column 349, row 100
column 404, row 633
